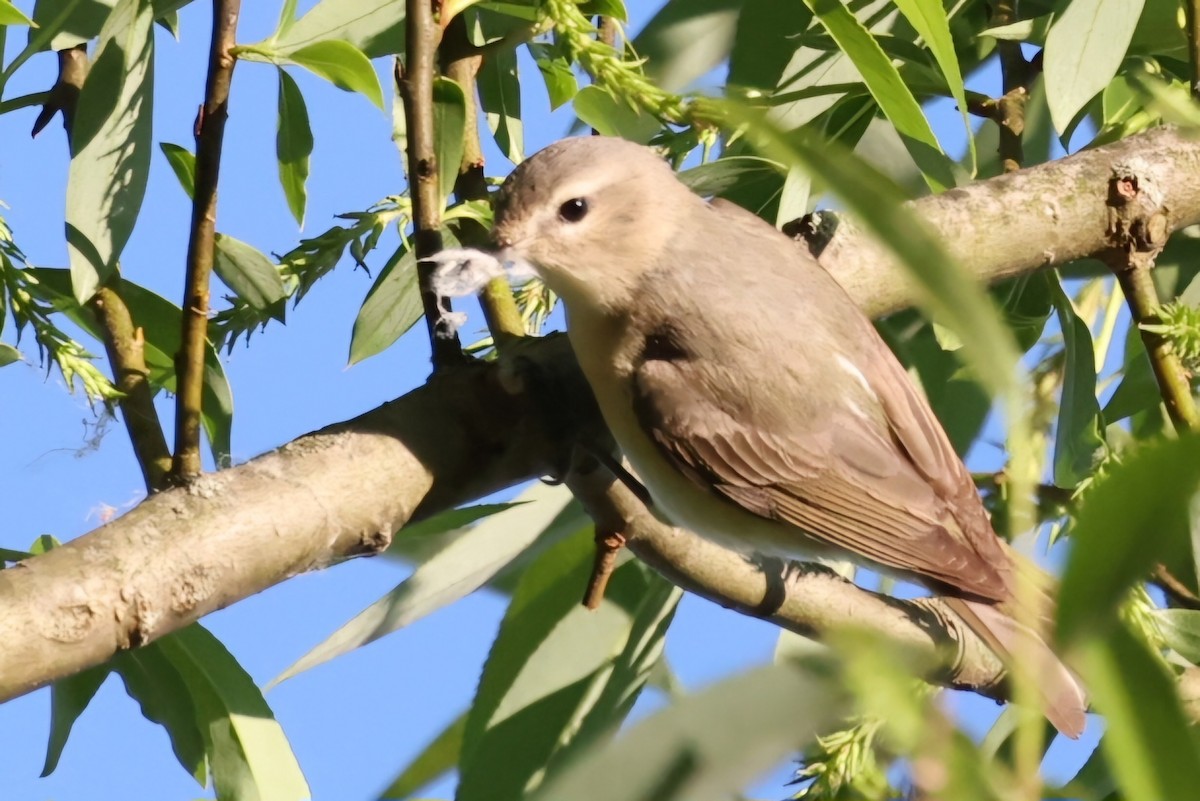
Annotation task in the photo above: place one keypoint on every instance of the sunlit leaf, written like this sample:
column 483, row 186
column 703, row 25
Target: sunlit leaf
column 1084, row 48
column 68, row 698
column 611, row 117
column 183, row 164
column 557, row 74
column 500, row 99
column 8, row 354
column 249, row 273
column 376, row 27
column 110, row 146
column 392, row 306
column 343, row 65
column 11, row 15
column 686, row 39
column 293, row 145
column 449, row 122
column 155, row 683
column 1181, row 630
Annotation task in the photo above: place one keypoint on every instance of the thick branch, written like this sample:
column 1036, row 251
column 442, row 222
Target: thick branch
column 415, row 83
column 210, row 136
column 343, row 491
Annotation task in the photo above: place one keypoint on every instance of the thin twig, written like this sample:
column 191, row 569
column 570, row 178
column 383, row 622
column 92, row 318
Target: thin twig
column 1009, row 112
column 1138, row 227
column 415, row 83
column 210, row 135
column 608, row 545
column 461, row 63
column 123, row 340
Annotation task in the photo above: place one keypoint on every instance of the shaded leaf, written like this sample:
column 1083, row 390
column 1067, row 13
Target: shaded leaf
column 500, row 99
column 376, row 27
column 694, row 749
column 1138, row 389
column 248, row 752
column 1133, row 516
column 343, row 65
column 68, row 698
column 392, row 306
column 435, row 760
column 183, row 164
column 556, row 71
column 686, row 39
column 718, row 177
column 1084, row 48
column 765, row 42
column 462, row 567
column 1079, row 436
column 156, row 684
column 293, row 145
column 8, row 354
column 110, row 148
column 883, row 81
column 1148, row 743
column 1181, row 630
column 449, row 123
column 249, row 273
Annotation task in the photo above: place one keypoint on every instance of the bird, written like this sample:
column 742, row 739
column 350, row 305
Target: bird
column 753, row 399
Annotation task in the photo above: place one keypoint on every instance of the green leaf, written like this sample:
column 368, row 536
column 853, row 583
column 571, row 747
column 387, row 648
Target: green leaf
column 250, row 274
column 1150, row 747
column 884, row 83
column 8, row 354
column 376, row 27
column 160, row 320
column 10, row 555
column 1134, row 516
column 718, row 177
column 1181, row 630
column 183, row 164
column 1138, row 389
column 1079, row 439
column 1026, row 30
column 159, row 689
column 449, row 521
column 550, row 684
column 110, row 149
column 500, row 99
column 68, row 698
column 436, row 760
column 765, row 42
column 293, row 145
column 928, row 18
column 392, row 306
column 11, row 15
column 287, row 18
column 463, row 566
column 248, row 751
column 686, row 39
column 343, row 65
column 690, row 750
column 611, row 117
column 1084, row 49
column 449, row 122
column 557, row 74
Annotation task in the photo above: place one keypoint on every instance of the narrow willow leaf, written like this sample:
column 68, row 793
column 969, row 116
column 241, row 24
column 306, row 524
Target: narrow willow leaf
column 462, row 567
column 765, row 42
column 686, row 39
column 1084, row 49
column 156, row 684
column 551, row 685
column 928, row 18
column 110, row 147
column 249, row 273
column 500, row 99
column 557, row 74
column 1148, row 741
column 1138, row 389
column 68, row 698
column 248, row 752
column 1181, row 630
column 883, row 81
column 183, row 164
column 287, row 18
column 8, row 354
column 293, row 145
column 611, row 117
column 392, row 306
column 343, row 65
column 449, row 123
column 11, row 15
column 376, row 27
column 691, row 750
column 1079, row 440
column 160, row 320
column 718, row 177
column 1135, row 515
column 435, row 760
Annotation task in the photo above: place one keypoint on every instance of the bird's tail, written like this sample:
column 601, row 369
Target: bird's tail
column 1063, row 699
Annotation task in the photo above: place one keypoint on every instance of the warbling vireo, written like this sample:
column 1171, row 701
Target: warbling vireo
column 755, row 401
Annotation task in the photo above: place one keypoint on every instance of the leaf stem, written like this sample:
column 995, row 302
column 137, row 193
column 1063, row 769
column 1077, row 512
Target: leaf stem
column 210, row 135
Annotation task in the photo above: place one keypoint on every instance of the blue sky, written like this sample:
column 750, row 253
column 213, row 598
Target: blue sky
column 356, row 721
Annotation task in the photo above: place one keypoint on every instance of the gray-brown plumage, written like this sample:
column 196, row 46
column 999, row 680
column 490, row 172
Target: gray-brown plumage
column 756, row 402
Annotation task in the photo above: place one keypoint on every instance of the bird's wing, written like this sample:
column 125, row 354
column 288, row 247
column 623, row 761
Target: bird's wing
column 886, row 492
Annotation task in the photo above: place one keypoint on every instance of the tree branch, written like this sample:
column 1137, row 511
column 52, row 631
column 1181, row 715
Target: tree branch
column 473, row 430
column 415, row 83
column 210, row 136
column 123, row 342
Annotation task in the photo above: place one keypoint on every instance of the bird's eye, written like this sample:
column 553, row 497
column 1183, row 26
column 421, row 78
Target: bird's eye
column 573, row 210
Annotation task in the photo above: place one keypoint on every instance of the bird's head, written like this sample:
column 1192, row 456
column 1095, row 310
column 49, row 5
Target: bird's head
column 591, row 214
